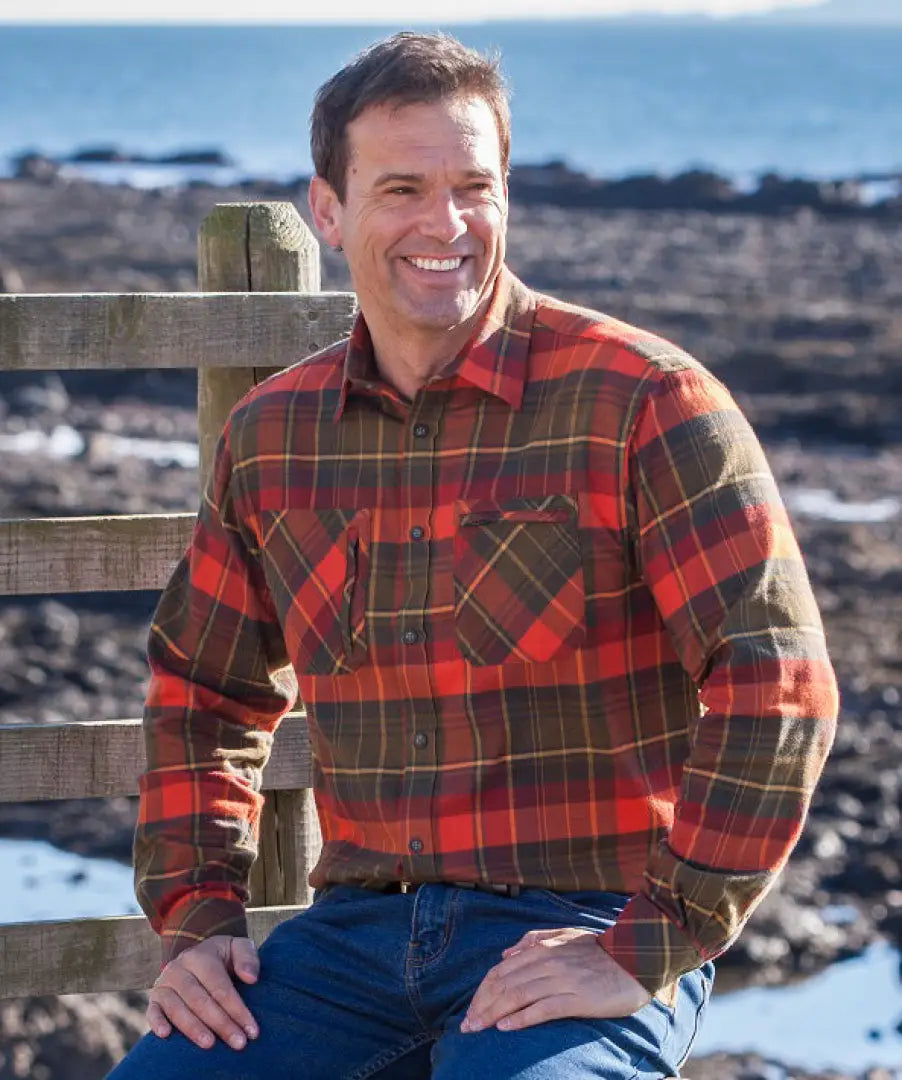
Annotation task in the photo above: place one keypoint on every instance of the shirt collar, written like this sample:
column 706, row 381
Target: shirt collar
column 495, row 360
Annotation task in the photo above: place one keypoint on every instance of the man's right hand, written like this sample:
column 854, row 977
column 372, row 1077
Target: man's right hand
column 196, row 995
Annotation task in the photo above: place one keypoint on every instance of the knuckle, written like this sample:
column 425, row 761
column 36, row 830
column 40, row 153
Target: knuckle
column 222, row 991
column 163, row 995
column 195, row 996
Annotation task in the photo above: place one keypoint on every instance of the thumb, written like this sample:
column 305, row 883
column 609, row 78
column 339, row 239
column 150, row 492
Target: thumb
column 245, row 961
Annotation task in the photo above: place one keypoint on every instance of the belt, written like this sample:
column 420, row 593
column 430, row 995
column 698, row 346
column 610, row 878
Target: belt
column 479, row 886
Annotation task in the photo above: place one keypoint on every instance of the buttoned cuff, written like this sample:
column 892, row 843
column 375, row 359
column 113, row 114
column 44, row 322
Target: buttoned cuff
column 648, row 945
column 197, row 917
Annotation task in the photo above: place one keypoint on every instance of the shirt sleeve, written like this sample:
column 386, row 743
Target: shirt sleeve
column 219, row 684
column 718, row 553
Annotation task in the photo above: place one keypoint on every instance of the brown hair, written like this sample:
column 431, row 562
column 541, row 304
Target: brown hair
column 405, row 69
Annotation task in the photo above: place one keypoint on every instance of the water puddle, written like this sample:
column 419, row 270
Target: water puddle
column 849, row 1017
column 823, row 504
column 41, row 882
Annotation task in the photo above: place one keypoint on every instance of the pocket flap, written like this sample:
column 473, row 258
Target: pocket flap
column 554, row 509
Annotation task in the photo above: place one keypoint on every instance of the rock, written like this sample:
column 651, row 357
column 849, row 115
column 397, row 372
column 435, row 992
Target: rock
column 107, row 155
column 100, row 155
column 195, row 157
column 11, row 280
column 77, row 1037
column 35, row 167
column 41, row 394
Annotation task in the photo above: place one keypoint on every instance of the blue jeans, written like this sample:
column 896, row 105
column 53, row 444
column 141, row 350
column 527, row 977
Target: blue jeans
column 365, row 984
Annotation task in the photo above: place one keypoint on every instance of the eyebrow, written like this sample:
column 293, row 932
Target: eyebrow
column 416, row 178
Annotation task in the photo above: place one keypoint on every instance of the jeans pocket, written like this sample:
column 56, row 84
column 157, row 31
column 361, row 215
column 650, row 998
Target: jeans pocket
column 593, row 905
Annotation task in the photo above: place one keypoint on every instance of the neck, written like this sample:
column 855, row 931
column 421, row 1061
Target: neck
column 408, row 361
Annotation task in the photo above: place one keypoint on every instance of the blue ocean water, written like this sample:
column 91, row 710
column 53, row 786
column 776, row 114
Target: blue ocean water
column 610, row 97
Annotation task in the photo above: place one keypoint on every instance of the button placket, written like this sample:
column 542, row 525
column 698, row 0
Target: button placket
column 418, row 495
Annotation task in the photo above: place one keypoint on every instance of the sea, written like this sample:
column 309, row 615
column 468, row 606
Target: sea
column 609, row 97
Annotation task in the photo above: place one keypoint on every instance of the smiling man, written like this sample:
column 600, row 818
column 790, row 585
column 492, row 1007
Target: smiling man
column 566, row 683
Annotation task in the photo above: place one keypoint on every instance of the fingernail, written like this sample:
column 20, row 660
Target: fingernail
column 205, row 1042
column 465, row 1025
column 237, row 1041
column 475, row 1025
column 252, row 1031
column 504, row 1023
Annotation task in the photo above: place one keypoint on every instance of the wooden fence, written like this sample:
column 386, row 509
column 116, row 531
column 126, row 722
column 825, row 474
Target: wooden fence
column 260, row 302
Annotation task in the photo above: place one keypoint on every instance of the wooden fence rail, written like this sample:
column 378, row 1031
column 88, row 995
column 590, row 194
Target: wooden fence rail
column 91, row 554
column 103, row 758
column 79, row 331
column 259, row 309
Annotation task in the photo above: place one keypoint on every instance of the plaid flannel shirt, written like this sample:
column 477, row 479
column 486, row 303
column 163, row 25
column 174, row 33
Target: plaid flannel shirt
column 549, row 622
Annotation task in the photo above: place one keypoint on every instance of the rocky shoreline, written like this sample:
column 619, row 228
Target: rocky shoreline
column 797, row 310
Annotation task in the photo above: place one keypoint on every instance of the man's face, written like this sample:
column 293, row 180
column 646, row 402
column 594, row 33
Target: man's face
column 424, row 216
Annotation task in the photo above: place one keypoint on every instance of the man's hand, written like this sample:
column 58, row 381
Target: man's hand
column 550, row 975
column 196, row 995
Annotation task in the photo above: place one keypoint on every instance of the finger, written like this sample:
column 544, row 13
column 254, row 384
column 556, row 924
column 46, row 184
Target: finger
column 511, row 997
column 157, row 1022
column 530, row 957
column 182, row 1017
column 224, row 1007
column 208, row 998
column 497, row 977
column 555, row 1007
column 532, row 937
column 214, row 998
column 244, row 959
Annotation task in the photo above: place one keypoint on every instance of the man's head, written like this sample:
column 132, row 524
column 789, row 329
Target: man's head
column 411, row 143
column 406, row 69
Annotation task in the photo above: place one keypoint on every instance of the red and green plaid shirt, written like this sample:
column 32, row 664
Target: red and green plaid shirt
column 548, row 620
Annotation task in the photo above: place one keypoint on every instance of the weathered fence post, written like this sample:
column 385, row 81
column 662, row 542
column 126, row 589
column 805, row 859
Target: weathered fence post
column 259, row 247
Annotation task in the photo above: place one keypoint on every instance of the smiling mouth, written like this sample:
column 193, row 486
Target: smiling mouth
column 436, row 265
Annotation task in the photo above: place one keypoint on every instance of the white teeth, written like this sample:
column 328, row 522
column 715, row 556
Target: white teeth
column 435, row 264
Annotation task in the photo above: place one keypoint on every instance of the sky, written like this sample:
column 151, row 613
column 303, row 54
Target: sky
column 362, row 11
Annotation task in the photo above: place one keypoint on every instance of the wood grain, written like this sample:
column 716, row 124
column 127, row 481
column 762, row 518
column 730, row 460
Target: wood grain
column 89, row 955
column 105, row 757
column 169, row 330
column 256, row 246
column 91, row 554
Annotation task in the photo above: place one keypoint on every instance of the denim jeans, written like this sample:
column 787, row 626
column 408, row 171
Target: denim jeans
column 365, row 984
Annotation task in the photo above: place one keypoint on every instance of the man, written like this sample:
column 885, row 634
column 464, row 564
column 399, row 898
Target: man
column 566, row 683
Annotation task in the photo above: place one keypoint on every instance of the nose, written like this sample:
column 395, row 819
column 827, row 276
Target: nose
column 443, row 218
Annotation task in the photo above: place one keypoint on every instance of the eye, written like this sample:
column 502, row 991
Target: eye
column 401, row 189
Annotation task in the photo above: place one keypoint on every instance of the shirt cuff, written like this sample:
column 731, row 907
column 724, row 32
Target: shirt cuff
column 197, row 917
column 648, row 945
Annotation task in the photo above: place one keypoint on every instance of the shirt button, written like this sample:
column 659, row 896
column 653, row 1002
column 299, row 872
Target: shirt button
column 420, row 740
column 417, row 532
column 410, row 637
column 420, row 430
column 416, row 845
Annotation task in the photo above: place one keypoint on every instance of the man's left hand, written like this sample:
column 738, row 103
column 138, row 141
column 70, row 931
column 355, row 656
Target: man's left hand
column 551, row 975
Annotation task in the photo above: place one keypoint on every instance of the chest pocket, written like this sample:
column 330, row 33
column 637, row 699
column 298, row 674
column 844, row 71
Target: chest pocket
column 518, row 579
column 316, row 563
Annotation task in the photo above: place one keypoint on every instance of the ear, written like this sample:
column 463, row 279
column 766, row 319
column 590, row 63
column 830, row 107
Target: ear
column 326, row 209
